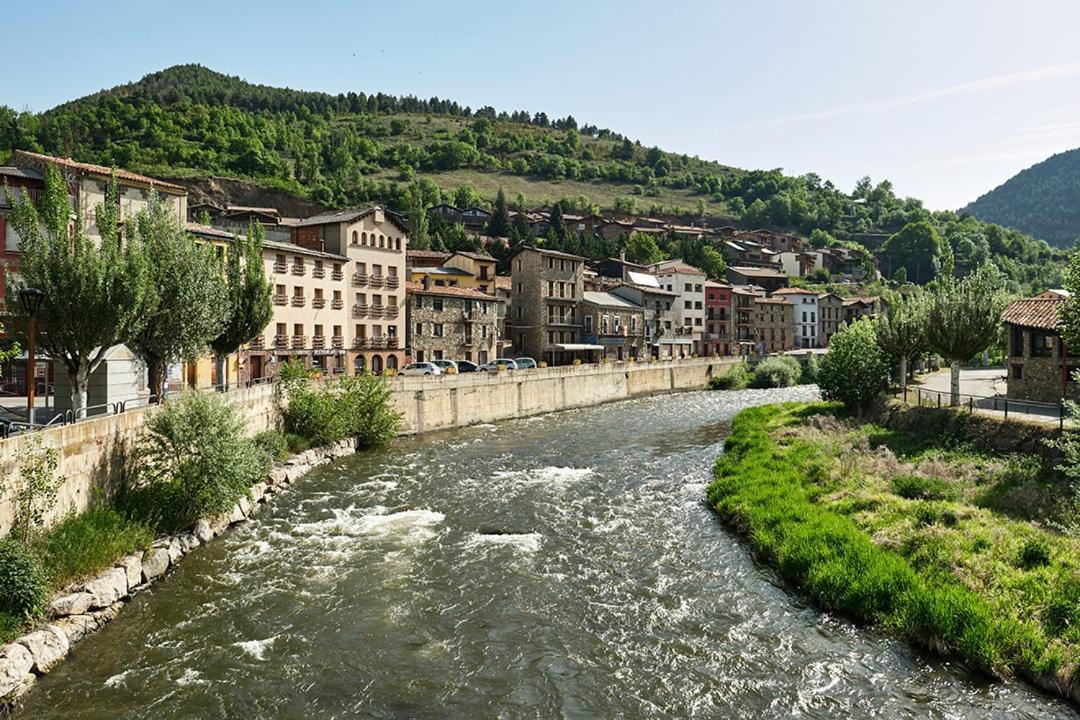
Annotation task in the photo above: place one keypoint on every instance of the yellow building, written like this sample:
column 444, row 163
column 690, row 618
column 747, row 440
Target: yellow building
column 473, row 271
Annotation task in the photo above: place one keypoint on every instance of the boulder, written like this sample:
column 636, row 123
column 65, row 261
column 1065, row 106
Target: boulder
column 277, row 475
column 237, row 515
column 15, row 664
column 132, row 565
column 219, row 523
column 244, row 503
column 295, row 472
column 48, row 647
column 155, row 562
column 175, row 550
column 258, row 492
column 74, row 604
column 76, row 627
column 103, row 617
column 204, row 531
column 109, row 587
column 188, row 542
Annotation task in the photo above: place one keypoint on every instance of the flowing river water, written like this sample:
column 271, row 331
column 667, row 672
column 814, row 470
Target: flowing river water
column 563, row 566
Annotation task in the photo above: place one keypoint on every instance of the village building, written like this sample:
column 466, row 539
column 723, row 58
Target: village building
column 614, row 323
column 718, row 319
column 1039, row 364
column 451, row 323
column 806, row 314
column 768, row 278
column 830, row 316
column 774, row 320
column 374, row 243
column 546, row 291
column 663, row 337
column 688, row 283
column 744, row 321
column 856, row 308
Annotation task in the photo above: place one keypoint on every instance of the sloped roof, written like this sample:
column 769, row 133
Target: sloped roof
column 643, row 279
column 757, row 272
column 606, row 299
column 449, row 291
column 427, row 254
column 795, row 291
column 1038, row 313
column 348, row 216
column 21, row 157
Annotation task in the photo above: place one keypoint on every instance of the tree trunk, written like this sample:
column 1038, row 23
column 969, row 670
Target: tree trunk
column 79, row 383
column 155, row 376
column 219, row 372
column 954, row 382
column 903, row 375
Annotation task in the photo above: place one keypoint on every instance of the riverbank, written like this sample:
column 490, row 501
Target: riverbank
column 952, row 547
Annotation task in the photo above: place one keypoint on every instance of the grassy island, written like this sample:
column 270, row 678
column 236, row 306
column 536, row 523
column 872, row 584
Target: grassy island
column 922, row 525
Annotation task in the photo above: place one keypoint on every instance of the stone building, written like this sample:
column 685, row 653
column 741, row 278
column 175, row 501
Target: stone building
column 830, row 316
column 451, row 323
column 663, row 337
column 774, row 324
column 615, row 324
column 546, row 291
column 1038, row 361
column 743, row 320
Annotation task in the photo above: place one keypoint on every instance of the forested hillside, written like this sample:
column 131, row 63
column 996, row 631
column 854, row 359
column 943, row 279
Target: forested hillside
column 1042, row 201
column 341, row 150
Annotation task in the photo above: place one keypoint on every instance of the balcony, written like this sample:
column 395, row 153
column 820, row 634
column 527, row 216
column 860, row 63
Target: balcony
column 281, row 300
column 256, row 343
column 318, row 342
column 563, row 321
column 336, row 275
column 338, row 342
column 391, row 343
column 375, row 311
column 281, row 342
column 375, row 281
column 359, row 279
column 299, row 341
column 337, row 303
column 298, row 270
column 360, row 343
column 391, row 311
column 318, row 303
column 360, row 310
column 298, row 301
column 318, row 272
column 279, row 267
column 391, row 282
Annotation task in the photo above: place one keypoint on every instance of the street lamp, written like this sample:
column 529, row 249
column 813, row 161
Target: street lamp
column 31, row 299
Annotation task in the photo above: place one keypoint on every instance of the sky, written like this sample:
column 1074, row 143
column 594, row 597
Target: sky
column 945, row 99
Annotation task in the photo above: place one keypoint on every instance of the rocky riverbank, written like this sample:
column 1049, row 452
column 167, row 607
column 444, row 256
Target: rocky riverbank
column 85, row 607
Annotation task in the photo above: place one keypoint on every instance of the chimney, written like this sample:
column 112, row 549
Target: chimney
column 622, row 255
column 427, row 282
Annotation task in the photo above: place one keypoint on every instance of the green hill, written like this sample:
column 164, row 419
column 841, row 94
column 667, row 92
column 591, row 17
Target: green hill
column 189, row 122
column 1043, row 201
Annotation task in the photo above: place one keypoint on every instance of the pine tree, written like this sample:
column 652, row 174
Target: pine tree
column 498, row 224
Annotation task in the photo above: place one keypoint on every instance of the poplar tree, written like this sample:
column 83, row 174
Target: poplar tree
column 248, row 308
column 96, row 292
column 498, row 224
column 963, row 318
column 901, row 330
column 188, row 294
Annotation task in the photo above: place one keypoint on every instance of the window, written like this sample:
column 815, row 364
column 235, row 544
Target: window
column 391, row 331
column 419, row 328
column 298, row 329
column 318, row 331
column 697, row 288
column 588, row 324
column 633, row 323
column 436, row 329
column 355, row 238
column 437, row 304
column 687, row 305
column 518, row 310
column 361, row 268
column 1018, row 372
column 437, row 354
column 282, row 329
column 519, row 288
column 617, row 324
column 604, row 324
column 688, row 287
column 418, row 301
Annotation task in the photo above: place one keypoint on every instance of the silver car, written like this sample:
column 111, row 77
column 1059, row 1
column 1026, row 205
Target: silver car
column 421, row 368
column 494, row 365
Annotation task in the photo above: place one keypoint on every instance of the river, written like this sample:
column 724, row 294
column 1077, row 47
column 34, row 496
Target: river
column 563, row 566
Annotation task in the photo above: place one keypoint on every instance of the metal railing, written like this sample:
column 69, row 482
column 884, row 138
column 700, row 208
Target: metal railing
column 922, row 397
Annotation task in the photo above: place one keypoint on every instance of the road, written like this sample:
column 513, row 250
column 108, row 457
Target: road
column 981, row 382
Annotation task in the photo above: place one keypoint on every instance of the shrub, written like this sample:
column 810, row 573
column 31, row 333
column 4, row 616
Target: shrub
column 293, row 370
column 358, row 406
column 23, row 591
column 81, row 545
column 1034, row 553
column 776, row 372
column 810, row 370
column 273, row 443
column 36, row 488
column 855, row 371
column 736, row 378
column 296, row 443
column 1062, row 612
column 194, row 461
column 919, row 487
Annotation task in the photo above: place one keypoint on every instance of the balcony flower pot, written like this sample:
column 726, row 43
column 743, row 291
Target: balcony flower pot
column 577, row 361
column 542, row 363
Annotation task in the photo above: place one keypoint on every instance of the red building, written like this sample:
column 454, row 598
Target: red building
column 718, row 336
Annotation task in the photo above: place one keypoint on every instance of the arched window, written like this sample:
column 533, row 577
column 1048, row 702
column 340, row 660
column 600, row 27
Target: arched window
column 355, row 240
column 363, row 238
column 376, row 364
column 359, row 365
column 397, row 243
column 382, row 241
column 391, row 362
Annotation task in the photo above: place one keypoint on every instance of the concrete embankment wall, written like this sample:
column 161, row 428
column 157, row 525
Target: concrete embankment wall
column 93, row 453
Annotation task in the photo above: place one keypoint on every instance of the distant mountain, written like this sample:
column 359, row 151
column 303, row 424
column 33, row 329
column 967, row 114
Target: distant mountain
column 1042, row 201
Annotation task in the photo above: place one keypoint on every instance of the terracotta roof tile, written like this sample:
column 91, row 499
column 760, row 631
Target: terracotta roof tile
column 32, row 158
column 448, row 291
column 1039, row 313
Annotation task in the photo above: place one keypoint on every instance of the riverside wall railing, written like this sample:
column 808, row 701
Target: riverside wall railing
column 995, row 404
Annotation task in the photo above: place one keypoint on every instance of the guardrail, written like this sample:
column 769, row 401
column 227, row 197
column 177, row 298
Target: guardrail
column 990, row 403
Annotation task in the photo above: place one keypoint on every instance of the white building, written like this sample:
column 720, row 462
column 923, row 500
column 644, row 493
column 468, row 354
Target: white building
column 806, row 315
column 688, row 283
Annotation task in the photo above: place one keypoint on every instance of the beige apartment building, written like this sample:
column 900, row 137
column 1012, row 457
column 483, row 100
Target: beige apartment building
column 371, row 244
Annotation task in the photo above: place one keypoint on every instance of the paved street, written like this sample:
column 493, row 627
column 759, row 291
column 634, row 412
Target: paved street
column 981, row 382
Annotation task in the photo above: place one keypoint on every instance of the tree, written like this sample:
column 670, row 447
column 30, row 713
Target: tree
column 901, row 330
column 855, row 371
column 498, row 224
column 642, row 249
column 556, row 226
column 416, row 214
column 1069, row 312
column 96, row 292
column 187, row 305
column 963, row 318
column 916, row 248
column 248, row 308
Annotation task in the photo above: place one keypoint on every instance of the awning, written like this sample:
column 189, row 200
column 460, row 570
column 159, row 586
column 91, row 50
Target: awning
column 673, row 341
column 577, row 346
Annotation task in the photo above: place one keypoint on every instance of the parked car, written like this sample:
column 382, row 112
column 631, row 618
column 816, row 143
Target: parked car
column 494, row 365
column 525, row 363
column 446, row 366
column 421, row 368
column 464, row 366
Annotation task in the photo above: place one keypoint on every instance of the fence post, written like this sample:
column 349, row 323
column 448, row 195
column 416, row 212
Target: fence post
column 1006, row 408
column 939, row 401
column 971, row 404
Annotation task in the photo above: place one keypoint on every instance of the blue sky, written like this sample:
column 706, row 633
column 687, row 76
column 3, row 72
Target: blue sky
column 946, row 99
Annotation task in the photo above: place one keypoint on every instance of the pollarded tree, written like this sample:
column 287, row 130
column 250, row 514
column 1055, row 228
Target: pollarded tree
column 901, row 330
column 187, row 289
column 96, row 292
column 963, row 318
column 248, row 308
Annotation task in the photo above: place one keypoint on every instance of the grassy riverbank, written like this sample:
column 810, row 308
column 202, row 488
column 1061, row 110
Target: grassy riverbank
column 906, row 530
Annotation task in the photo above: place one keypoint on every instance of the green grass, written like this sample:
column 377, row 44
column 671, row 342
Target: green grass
column 820, row 502
column 83, row 545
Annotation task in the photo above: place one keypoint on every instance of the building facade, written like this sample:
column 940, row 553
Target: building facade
column 451, row 323
column 774, row 320
column 830, row 316
column 688, row 283
column 1039, row 368
column 718, row 319
column 663, row 338
column 743, row 317
column 806, row 315
column 614, row 323
column 546, row 290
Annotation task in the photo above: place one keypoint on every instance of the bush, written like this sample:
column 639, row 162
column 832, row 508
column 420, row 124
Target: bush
column 919, row 487
column 855, row 371
column 193, row 461
column 776, row 372
column 810, row 370
column 296, row 443
column 82, row 545
column 293, row 370
column 358, row 406
column 273, row 443
column 23, row 591
column 1035, row 553
column 36, row 488
column 736, row 378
